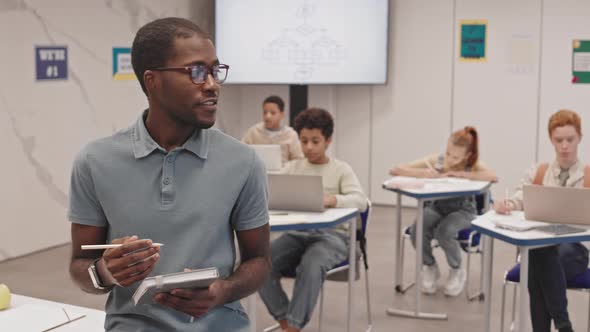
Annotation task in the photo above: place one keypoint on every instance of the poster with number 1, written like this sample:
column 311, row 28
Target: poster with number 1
column 51, row 63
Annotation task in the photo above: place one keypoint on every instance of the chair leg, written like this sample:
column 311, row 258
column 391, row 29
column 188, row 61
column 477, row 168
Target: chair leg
column 401, row 288
column 321, row 308
column 502, row 307
column 467, row 274
column 478, row 294
column 367, row 291
column 512, row 323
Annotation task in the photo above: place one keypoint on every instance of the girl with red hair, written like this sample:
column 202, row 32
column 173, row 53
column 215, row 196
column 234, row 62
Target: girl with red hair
column 443, row 219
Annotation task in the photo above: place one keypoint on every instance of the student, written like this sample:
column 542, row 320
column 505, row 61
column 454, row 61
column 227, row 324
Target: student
column 173, row 179
column 443, row 219
column 550, row 267
column 310, row 254
column 272, row 131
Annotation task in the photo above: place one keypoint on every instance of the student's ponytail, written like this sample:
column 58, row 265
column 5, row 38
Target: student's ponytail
column 467, row 137
column 474, row 147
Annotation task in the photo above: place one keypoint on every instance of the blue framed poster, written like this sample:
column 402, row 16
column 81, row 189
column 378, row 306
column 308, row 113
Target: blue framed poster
column 122, row 67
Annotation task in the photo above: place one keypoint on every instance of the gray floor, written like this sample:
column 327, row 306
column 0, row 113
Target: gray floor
column 44, row 275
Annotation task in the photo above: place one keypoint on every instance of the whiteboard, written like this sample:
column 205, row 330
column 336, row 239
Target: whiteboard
column 303, row 41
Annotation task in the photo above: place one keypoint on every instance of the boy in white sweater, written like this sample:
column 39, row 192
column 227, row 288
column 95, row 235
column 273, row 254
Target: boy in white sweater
column 272, row 131
column 310, row 254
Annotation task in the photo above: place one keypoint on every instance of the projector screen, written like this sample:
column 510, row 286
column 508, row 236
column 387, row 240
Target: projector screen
column 303, row 41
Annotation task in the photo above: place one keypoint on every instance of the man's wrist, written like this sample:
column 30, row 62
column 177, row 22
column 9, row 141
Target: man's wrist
column 104, row 274
column 223, row 291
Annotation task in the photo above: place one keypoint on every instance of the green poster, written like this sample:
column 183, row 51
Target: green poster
column 581, row 61
column 473, row 40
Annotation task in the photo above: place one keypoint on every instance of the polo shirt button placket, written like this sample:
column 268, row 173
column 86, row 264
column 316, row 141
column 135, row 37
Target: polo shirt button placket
column 167, row 187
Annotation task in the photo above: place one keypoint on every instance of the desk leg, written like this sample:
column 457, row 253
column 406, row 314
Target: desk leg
column 351, row 271
column 417, row 313
column 419, row 241
column 251, row 310
column 490, row 245
column 488, row 254
column 397, row 250
column 523, row 308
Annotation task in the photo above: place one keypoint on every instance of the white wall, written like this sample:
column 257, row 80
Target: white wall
column 44, row 124
column 563, row 21
column 499, row 97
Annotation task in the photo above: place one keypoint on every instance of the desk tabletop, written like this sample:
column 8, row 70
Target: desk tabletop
column 435, row 188
column 485, row 225
column 297, row 220
column 93, row 321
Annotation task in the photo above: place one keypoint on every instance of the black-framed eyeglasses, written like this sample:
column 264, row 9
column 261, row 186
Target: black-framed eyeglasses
column 200, row 72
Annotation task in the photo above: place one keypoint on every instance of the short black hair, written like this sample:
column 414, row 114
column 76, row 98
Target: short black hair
column 315, row 118
column 154, row 43
column 275, row 100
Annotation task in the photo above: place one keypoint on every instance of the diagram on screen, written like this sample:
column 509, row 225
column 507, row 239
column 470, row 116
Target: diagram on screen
column 306, row 46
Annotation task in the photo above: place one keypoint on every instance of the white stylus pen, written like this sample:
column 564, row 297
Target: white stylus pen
column 109, row 246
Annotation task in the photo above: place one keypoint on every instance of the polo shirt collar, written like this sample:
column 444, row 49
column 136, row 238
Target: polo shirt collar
column 576, row 170
column 198, row 143
column 144, row 144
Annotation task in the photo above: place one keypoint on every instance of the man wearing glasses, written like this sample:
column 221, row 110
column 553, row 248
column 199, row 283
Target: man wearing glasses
column 171, row 178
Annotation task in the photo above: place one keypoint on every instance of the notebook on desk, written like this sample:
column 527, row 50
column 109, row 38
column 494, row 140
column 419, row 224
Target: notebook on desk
column 295, row 192
column 270, row 155
column 558, row 205
column 516, row 225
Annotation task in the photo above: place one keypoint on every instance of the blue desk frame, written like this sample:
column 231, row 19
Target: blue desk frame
column 524, row 242
column 421, row 198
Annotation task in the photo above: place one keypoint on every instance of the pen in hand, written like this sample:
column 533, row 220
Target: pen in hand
column 430, row 167
column 506, row 200
column 109, row 246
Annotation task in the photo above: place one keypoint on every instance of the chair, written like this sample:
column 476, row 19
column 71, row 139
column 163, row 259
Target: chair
column 340, row 271
column 469, row 240
column 512, row 277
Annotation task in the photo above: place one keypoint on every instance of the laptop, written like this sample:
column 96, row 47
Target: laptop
column 558, row 205
column 295, row 192
column 270, row 155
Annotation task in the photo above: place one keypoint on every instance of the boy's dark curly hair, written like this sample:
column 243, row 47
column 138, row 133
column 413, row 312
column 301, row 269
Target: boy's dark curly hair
column 315, row 118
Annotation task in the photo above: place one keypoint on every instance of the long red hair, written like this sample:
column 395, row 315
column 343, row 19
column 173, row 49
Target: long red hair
column 467, row 137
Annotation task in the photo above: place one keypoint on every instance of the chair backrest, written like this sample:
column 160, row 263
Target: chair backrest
column 365, row 217
column 464, row 236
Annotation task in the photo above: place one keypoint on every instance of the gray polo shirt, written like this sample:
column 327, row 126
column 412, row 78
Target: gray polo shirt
column 192, row 199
